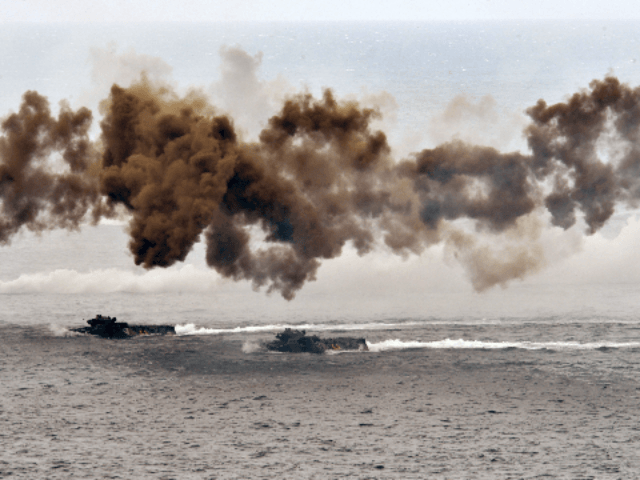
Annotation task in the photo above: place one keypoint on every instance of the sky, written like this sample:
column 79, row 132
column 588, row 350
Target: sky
column 312, row 10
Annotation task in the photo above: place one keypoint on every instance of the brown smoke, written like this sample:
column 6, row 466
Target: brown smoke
column 319, row 177
column 32, row 193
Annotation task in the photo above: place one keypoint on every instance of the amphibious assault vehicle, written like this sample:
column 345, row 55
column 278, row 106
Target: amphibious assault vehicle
column 108, row 327
column 297, row 341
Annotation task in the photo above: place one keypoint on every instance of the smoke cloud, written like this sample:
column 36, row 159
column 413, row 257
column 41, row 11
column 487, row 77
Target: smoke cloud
column 319, row 177
column 32, row 195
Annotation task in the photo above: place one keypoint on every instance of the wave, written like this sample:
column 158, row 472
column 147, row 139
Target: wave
column 396, row 344
column 477, row 344
column 191, row 329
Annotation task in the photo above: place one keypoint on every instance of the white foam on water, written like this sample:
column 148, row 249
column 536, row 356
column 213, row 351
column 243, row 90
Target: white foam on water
column 60, row 331
column 251, row 347
column 191, row 329
column 477, row 344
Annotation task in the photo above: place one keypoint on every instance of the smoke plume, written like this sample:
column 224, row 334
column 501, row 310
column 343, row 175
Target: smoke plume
column 318, row 178
column 32, row 195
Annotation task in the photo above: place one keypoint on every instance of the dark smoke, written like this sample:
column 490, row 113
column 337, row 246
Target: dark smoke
column 31, row 194
column 318, row 178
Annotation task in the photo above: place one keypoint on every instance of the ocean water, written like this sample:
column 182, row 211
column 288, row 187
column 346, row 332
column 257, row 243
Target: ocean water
column 585, row 301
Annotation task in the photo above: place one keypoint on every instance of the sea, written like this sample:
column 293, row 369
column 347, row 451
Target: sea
column 432, row 82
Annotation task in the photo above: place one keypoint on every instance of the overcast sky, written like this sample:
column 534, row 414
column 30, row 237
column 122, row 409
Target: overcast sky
column 309, row 10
